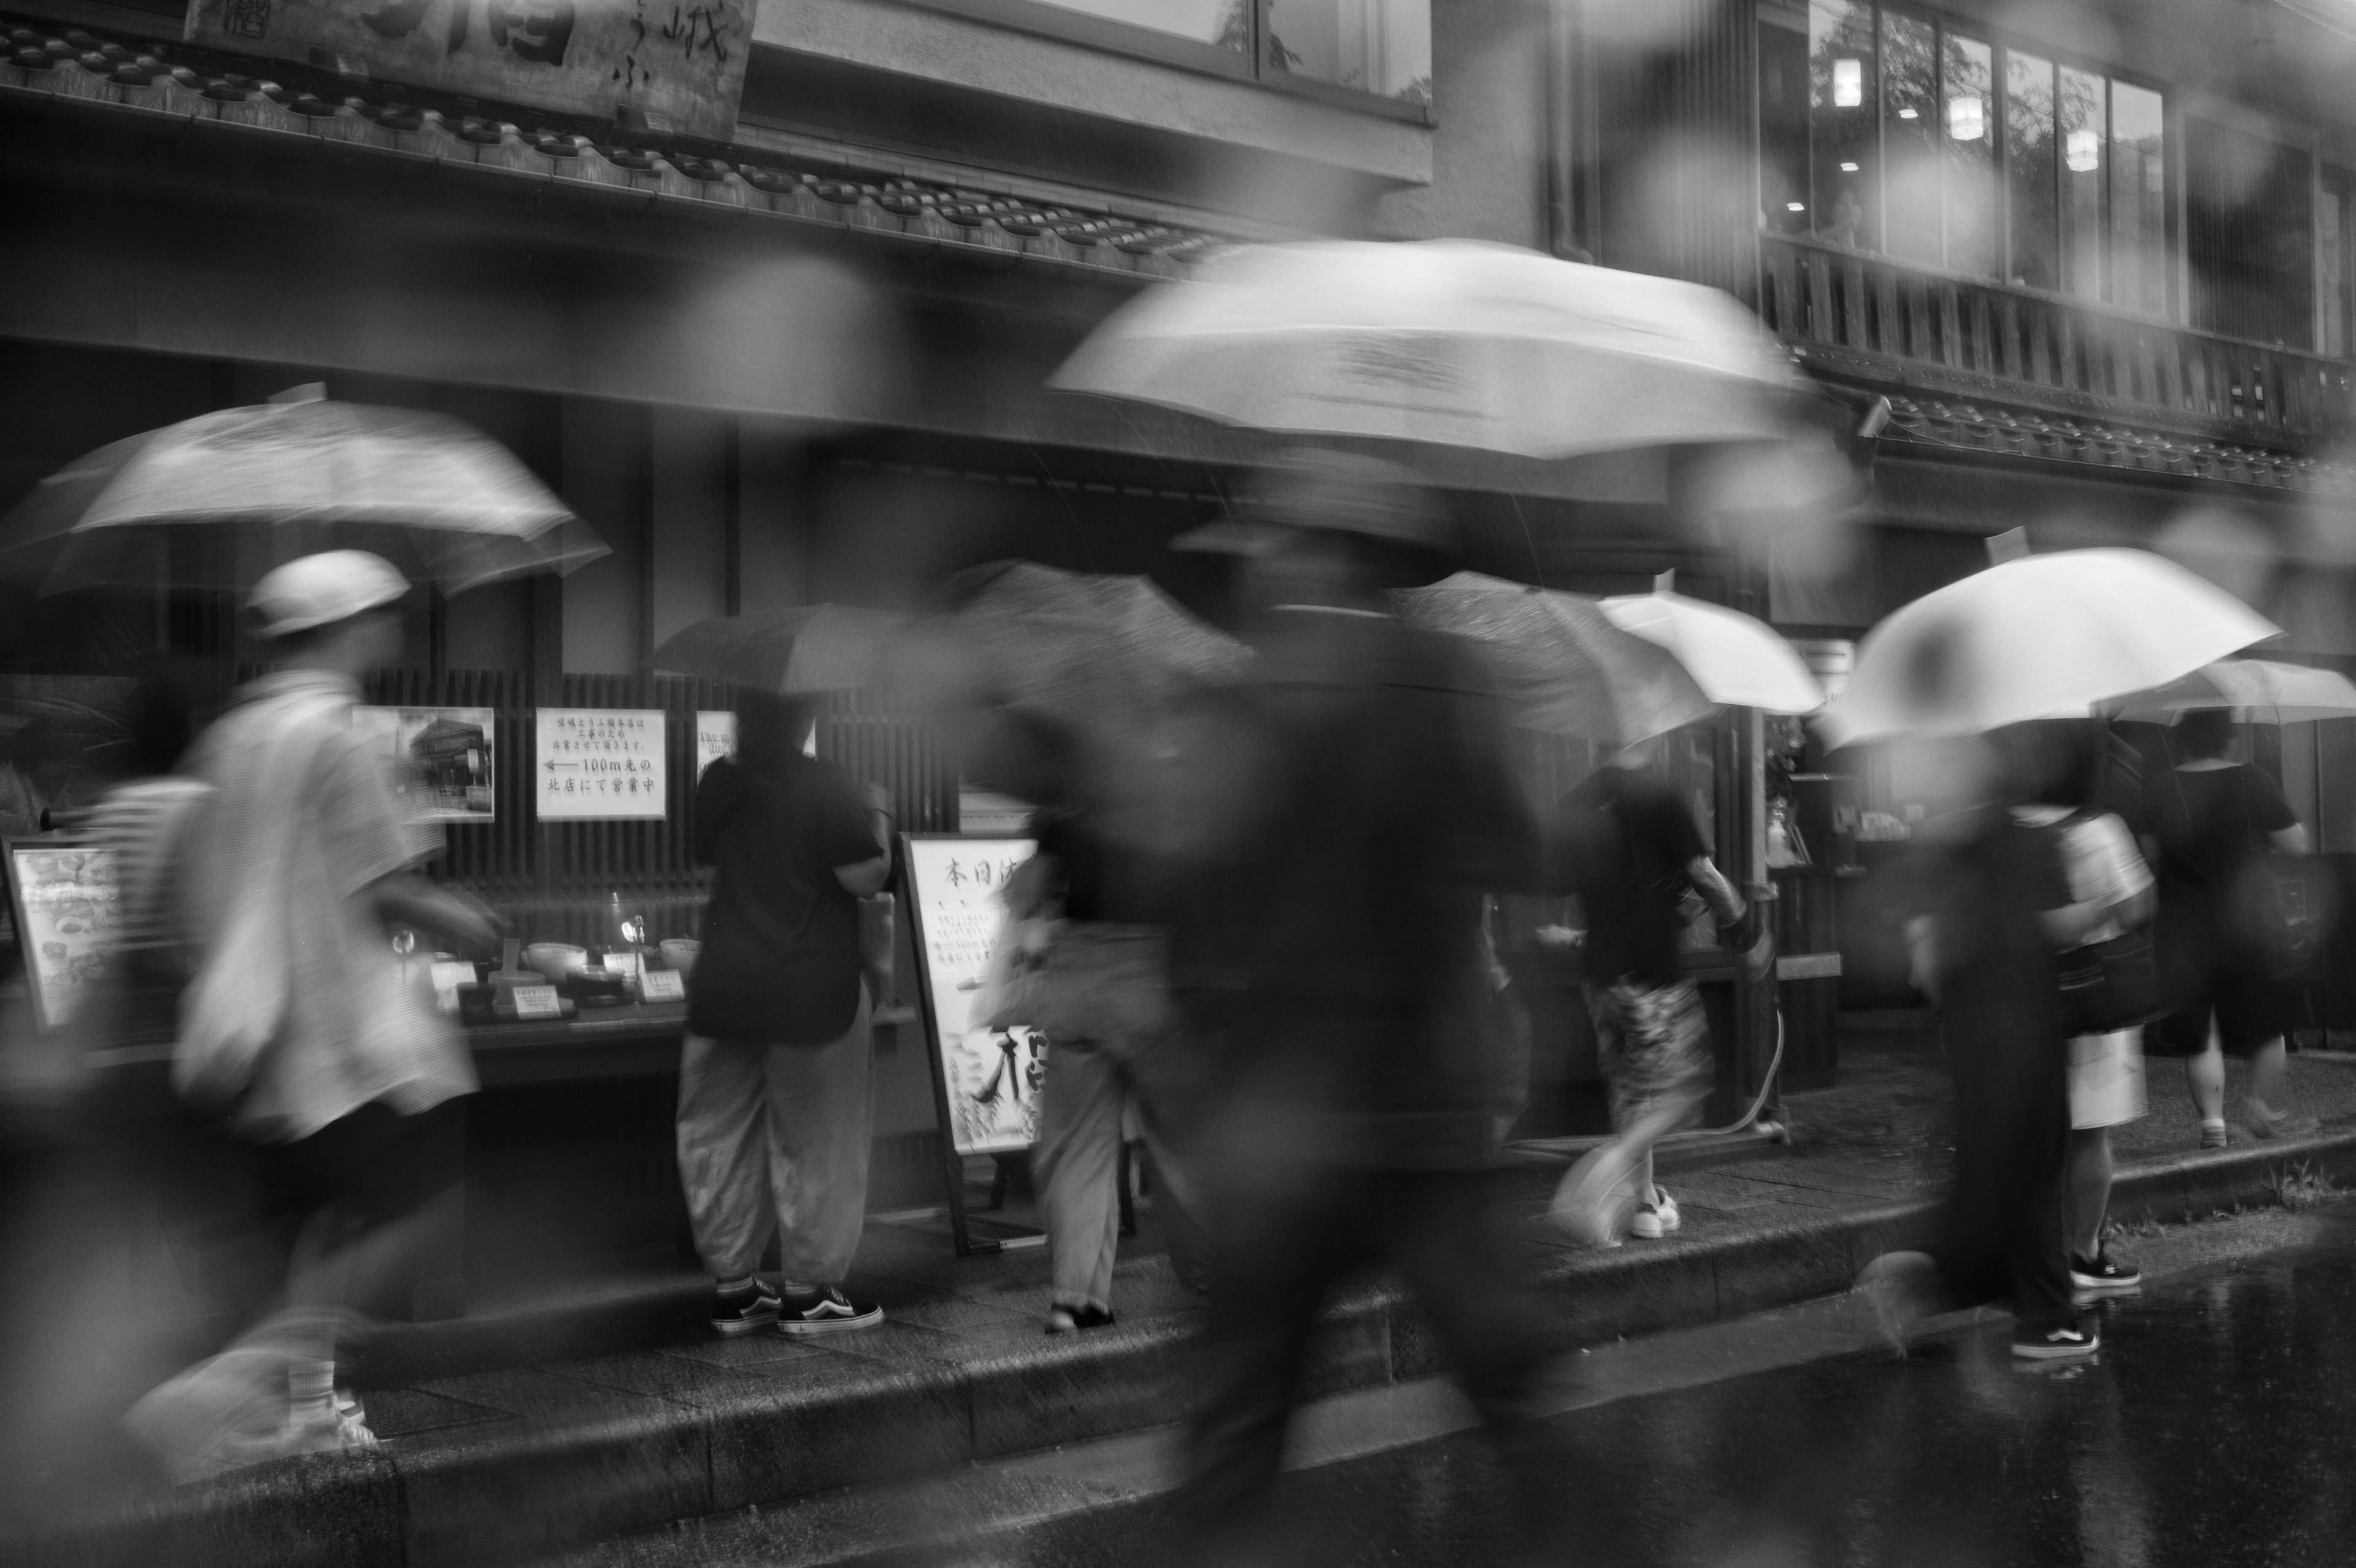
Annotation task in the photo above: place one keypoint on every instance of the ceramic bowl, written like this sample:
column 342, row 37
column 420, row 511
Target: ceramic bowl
column 681, row 953
column 556, row 959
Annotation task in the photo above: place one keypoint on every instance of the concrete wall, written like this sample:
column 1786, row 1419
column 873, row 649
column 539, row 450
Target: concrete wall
column 1488, row 153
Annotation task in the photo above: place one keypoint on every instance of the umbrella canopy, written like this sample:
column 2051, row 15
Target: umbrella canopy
column 2273, row 693
column 1565, row 668
column 1450, row 341
column 810, row 647
column 1736, row 659
column 2031, row 638
column 432, row 495
column 1098, row 655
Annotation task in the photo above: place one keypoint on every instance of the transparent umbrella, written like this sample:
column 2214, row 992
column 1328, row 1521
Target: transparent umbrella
column 249, row 489
column 1737, row 659
column 806, row 648
column 2269, row 691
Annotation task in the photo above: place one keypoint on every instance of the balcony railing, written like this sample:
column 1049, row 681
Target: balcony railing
column 1971, row 338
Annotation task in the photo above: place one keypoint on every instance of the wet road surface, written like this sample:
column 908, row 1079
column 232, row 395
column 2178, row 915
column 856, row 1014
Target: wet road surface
column 2217, row 1426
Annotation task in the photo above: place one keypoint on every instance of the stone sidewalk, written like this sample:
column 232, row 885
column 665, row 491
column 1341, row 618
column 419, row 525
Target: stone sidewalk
column 544, row 1425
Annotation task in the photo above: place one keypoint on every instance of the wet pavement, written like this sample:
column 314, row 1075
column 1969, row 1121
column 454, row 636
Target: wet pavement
column 2216, row 1426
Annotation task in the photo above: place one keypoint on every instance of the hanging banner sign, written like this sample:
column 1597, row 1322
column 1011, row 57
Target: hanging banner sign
column 673, row 64
column 599, row 763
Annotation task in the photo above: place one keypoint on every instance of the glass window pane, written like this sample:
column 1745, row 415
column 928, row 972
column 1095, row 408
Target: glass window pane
column 1967, row 91
column 2028, row 169
column 1782, row 127
column 1226, row 23
column 1910, row 120
column 2080, row 115
column 2249, row 235
column 1841, row 161
column 1383, row 47
column 2335, row 222
column 2139, row 159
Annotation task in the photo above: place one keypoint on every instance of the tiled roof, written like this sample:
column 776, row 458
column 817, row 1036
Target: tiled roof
column 144, row 78
column 1975, row 427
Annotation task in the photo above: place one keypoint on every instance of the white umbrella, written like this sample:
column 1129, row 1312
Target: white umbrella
column 1448, row 341
column 2274, row 692
column 1737, row 659
column 2033, row 638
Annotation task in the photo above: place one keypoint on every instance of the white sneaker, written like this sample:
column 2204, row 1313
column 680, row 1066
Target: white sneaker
column 1657, row 1218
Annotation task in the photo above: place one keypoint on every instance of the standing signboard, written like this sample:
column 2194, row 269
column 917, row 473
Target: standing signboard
column 63, row 898
column 441, row 760
column 595, row 764
column 672, row 67
column 985, row 1081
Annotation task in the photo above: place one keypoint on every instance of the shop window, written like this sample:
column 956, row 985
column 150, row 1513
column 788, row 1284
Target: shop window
column 2249, row 235
column 1381, row 48
column 1952, row 151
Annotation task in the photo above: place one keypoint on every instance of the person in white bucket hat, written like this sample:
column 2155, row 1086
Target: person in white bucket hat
column 299, row 1028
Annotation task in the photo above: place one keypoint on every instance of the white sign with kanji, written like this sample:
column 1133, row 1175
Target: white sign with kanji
column 599, row 763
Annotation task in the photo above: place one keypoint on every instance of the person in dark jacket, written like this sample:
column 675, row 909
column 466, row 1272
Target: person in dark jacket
column 776, row 1101
column 1362, row 813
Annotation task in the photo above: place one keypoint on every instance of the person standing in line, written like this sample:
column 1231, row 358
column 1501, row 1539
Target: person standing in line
column 1994, row 910
column 2112, row 888
column 1627, row 847
column 1357, row 810
column 295, row 870
column 2213, row 821
column 775, row 1091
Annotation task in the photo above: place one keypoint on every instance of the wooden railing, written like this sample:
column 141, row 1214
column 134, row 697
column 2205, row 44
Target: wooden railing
column 1967, row 338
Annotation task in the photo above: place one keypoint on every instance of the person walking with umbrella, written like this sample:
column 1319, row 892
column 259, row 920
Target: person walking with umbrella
column 1363, row 813
column 337, row 1076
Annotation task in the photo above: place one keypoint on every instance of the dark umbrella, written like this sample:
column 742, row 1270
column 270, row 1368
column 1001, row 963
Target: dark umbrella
column 810, row 647
column 1096, row 656
column 434, row 495
column 1565, row 668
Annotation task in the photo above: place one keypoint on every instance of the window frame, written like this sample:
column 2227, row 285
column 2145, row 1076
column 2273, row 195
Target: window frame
column 1043, row 18
column 2172, row 108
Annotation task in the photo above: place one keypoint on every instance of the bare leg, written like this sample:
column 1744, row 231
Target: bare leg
column 1590, row 1201
column 2269, row 1065
column 2090, row 1188
column 2205, row 1075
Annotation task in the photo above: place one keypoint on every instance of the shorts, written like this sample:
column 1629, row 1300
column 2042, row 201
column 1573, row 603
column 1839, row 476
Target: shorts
column 2251, row 1007
column 380, row 1165
column 2106, row 1084
column 1652, row 1043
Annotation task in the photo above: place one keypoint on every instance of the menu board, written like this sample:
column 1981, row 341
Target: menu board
column 715, row 737
column 599, row 763
column 65, row 903
column 988, row 1080
column 441, row 760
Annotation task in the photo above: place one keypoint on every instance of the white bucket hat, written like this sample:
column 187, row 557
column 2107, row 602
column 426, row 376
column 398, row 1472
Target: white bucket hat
column 319, row 590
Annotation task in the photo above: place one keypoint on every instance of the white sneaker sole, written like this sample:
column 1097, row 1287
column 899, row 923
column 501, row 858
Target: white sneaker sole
column 802, row 1326
column 2056, row 1352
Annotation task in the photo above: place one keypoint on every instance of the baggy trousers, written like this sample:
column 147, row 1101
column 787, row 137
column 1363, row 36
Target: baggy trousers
column 1113, row 1048
column 774, row 1137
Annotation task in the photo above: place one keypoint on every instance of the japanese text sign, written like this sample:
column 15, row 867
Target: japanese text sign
column 598, row 763
column 990, row 1078
column 715, row 737
column 680, row 64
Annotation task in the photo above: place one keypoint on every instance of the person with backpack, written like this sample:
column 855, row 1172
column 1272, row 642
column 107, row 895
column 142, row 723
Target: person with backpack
column 300, row 1029
column 776, row 1096
column 2225, row 938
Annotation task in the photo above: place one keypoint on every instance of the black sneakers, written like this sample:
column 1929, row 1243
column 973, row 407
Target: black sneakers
column 2103, row 1275
column 2055, row 1342
column 743, row 1310
column 827, row 1311
column 1064, row 1319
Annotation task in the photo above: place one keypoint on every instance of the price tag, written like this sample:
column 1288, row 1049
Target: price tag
column 662, row 985
column 447, row 977
column 621, row 964
column 537, row 1002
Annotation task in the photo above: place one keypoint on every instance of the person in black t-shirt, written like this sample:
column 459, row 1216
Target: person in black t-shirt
column 775, row 1107
column 1626, row 846
column 2213, row 820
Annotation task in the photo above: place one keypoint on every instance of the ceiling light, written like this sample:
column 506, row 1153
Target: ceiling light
column 1848, row 83
column 1906, row 114
column 1967, row 117
column 2084, row 151
column 1795, row 207
column 1849, row 168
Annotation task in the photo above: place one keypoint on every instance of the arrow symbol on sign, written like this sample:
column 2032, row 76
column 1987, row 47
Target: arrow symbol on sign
column 551, row 767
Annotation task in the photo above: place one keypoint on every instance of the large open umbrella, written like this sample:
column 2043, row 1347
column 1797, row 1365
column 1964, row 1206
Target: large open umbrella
column 806, row 648
column 2268, row 690
column 1736, row 659
column 1449, row 341
column 2033, row 638
column 1565, row 668
column 432, row 494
